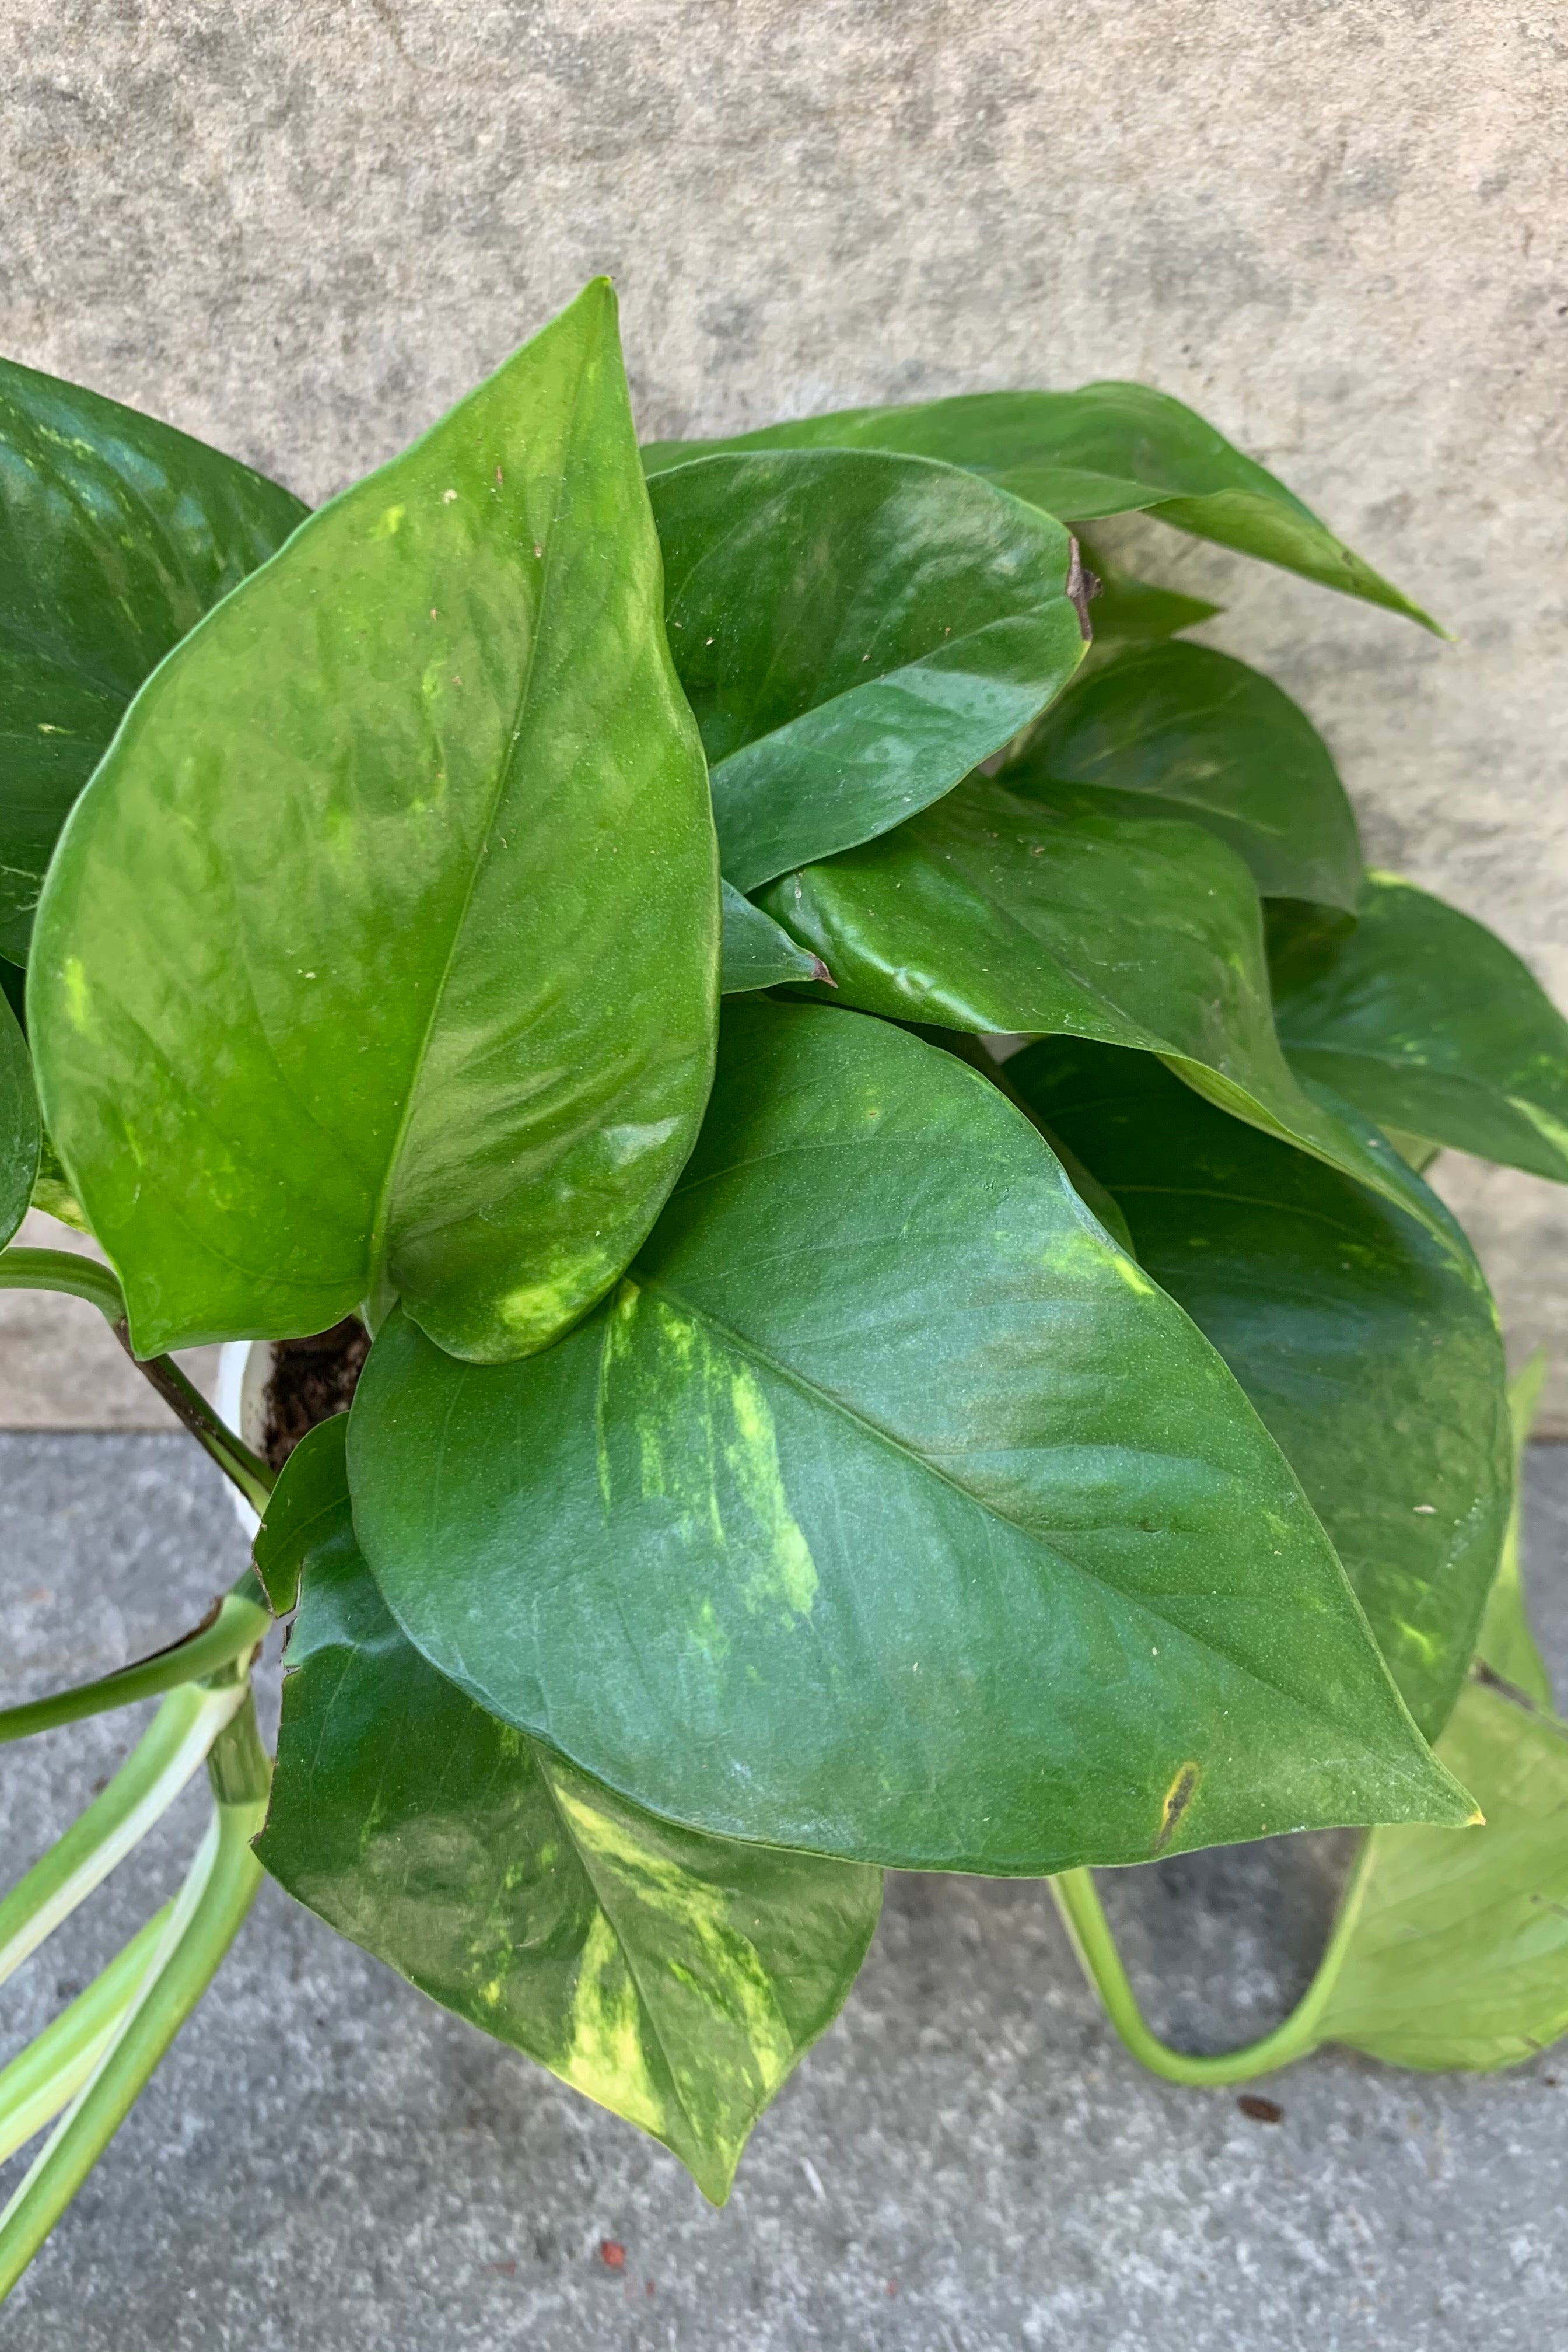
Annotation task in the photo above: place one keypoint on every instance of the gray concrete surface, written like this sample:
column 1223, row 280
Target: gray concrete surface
column 967, row 2163
column 301, row 230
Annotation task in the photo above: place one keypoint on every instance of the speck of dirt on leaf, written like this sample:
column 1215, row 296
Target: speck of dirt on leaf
column 1261, row 2111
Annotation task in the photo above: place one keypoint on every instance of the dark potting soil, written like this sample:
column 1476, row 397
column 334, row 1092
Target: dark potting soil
column 311, row 1379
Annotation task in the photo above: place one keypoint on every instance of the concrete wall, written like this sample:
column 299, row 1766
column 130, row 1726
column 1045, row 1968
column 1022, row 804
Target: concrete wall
column 301, row 228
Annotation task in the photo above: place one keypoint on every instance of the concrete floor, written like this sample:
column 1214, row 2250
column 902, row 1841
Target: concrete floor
column 327, row 2163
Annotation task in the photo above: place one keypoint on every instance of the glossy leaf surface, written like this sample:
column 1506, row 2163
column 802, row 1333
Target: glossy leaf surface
column 1190, row 733
column 19, row 1135
column 1460, row 1953
column 1506, row 1645
column 758, row 952
column 854, row 632
column 1126, row 610
column 995, row 913
column 887, row 1510
column 1429, row 1023
column 117, row 533
column 1368, row 1343
column 380, row 957
column 673, row 1977
column 1109, row 448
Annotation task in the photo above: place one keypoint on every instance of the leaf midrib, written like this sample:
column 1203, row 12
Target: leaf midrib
column 375, row 1253
column 892, row 1443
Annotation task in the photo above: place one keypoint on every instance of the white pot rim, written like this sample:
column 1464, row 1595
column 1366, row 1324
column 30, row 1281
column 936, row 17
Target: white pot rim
column 244, row 1369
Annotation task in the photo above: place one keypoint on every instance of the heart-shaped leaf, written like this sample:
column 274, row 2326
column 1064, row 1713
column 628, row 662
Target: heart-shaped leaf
column 1368, row 1343
column 1109, row 448
column 888, row 1510
column 1053, row 914
column 305, row 1524
column 674, row 1978
column 757, row 952
column 1426, row 1021
column 19, row 1135
column 854, row 632
column 380, row 957
column 1460, row 1954
column 1186, row 731
column 117, row 533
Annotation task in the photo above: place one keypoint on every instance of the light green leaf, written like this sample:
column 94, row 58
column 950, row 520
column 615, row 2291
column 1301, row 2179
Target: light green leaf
column 888, row 1511
column 380, row 957
column 1429, row 1022
column 757, row 952
column 19, row 1132
column 674, row 1978
column 1185, row 732
column 854, row 632
column 1109, row 448
column 990, row 912
column 1505, row 1643
column 117, row 533
column 1459, row 1957
column 1368, row 1343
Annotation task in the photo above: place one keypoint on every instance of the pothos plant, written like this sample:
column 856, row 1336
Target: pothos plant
column 577, row 910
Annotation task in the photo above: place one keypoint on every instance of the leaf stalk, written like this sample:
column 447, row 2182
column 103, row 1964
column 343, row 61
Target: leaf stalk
column 1089, row 1930
column 82, row 1278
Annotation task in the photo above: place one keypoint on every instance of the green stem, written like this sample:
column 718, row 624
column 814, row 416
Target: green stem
column 175, row 1743
column 1085, row 1923
column 238, row 1627
column 217, row 1896
column 83, row 1277
column 47, row 2076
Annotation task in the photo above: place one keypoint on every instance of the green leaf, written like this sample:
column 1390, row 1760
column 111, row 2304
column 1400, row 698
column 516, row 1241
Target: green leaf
column 381, row 956
column 305, row 1522
column 990, row 912
column 117, row 533
column 1505, row 1645
column 1184, row 731
column 1109, row 448
column 1128, row 611
column 1429, row 1022
column 855, row 633
column 1459, row 1957
column 673, row 1977
column 887, row 1510
column 1368, row 1343
column 757, row 952
column 20, row 1131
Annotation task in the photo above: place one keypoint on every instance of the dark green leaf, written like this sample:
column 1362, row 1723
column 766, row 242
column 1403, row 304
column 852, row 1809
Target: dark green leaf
column 1368, row 1343
column 674, row 1978
column 1109, row 448
column 1188, row 731
column 19, row 1135
column 306, row 1521
column 1426, row 1021
column 117, row 533
column 855, row 633
column 888, row 1510
column 990, row 912
column 757, row 952
column 1505, row 1643
column 1460, row 1952
column 1129, row 611
column 380, row 957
